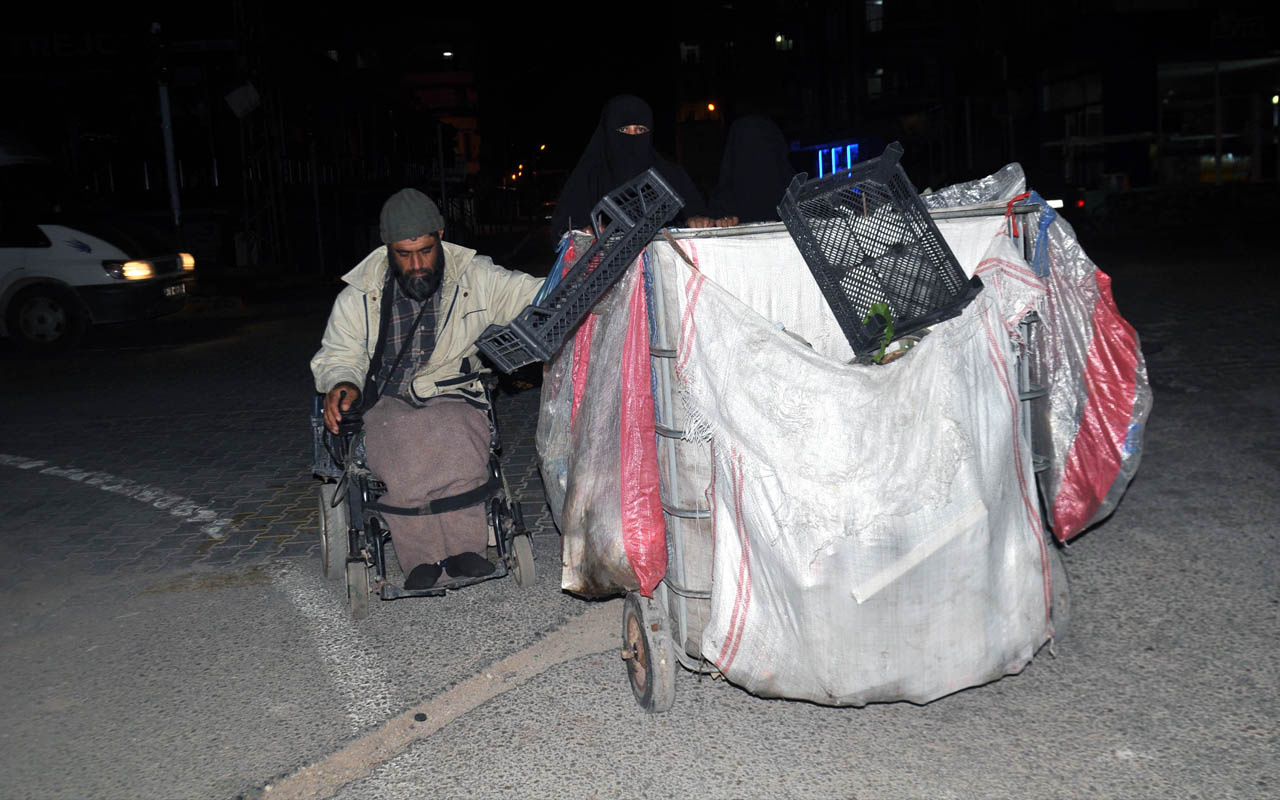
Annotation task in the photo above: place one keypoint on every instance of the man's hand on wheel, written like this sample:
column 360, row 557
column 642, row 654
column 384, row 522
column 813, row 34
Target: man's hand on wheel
column 340, row 398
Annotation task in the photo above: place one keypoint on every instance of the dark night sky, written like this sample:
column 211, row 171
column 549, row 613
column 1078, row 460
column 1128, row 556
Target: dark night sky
column 543, row 70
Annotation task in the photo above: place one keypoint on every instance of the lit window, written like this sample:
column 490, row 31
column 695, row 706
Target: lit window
column 875, row 16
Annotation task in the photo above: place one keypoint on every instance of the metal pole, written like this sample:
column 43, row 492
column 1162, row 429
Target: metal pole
column 1255, row 151
column 968, row 132
column 1009, row 99
column 444, row 201
column 166, row 128
column 1217, row 125
column 315, row 201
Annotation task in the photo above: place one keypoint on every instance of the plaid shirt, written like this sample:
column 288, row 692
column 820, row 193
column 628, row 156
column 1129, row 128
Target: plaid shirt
column 398, row 383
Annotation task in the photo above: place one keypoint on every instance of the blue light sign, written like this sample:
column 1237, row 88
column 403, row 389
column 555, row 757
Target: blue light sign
column 836, row 158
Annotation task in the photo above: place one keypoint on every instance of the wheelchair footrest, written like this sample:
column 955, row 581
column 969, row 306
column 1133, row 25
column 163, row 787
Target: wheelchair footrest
column 390, row 591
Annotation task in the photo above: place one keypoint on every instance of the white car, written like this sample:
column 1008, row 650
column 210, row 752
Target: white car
column 55, row 280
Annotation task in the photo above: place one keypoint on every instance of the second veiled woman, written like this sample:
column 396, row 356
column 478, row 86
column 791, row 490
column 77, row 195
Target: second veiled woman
column 754, row 171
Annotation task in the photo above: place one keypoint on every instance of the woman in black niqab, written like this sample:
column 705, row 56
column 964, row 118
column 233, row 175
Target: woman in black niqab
column 754, row 171
column 614, row 157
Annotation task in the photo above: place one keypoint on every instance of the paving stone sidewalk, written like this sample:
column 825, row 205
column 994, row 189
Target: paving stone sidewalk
column 197, row 488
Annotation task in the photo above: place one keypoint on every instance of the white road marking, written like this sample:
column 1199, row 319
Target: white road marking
column 595, row 631
column 346, row 656
column 154, row 496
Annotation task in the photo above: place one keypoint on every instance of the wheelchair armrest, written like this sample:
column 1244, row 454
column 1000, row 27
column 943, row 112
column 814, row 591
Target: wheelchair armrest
column 350, row 423
column 352, row 420
column 330, row 451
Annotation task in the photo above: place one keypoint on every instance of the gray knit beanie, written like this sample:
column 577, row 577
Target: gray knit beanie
column 408, row 214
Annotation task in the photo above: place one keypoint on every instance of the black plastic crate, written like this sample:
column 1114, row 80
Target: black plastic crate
column 624, row 221
column 868, row 238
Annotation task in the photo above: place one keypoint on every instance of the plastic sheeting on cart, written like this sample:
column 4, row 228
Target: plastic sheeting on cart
column 596, row 444
column 1090, row 425
column 876, row 528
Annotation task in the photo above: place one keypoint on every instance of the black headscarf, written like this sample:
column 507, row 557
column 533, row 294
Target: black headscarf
column 611, row 159
column 754, row 171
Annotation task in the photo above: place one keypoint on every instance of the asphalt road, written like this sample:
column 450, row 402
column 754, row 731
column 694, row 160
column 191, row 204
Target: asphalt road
column 168, row 633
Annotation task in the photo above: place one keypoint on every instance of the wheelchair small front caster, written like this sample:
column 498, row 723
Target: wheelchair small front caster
column 522, row 550
column 358, row 588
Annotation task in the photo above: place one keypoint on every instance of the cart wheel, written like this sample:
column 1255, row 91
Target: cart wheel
column 524, row 569
column 648, row 651
column 358, row 588
column 333, row 531
column 1060, row 596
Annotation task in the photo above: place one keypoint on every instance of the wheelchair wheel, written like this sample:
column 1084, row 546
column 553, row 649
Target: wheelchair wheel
column 523, row 567
column 334, row 522
column 358, row 589
column 649, row 653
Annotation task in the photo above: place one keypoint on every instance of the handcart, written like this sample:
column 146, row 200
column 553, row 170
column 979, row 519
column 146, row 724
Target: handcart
column 960, row 585
column 666, row 629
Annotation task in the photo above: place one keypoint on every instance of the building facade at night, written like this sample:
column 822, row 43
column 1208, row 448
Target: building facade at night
column 287, row 133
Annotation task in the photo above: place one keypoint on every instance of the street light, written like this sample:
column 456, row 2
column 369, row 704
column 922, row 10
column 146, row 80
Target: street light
column 711, row 106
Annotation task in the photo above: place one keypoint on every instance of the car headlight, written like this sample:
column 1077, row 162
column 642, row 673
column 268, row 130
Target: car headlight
column 129, row 270
column 188, row 262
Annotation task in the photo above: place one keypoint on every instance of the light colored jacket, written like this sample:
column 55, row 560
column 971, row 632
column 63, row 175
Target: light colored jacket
column 474, row 293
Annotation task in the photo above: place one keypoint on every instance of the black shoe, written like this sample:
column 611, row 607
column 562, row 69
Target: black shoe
column 423, row 576
column 468, row 565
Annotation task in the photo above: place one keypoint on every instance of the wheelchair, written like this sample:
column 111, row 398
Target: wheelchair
column 353, row 530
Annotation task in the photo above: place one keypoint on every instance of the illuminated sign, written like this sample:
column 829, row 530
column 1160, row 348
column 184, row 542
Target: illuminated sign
column 836, row 158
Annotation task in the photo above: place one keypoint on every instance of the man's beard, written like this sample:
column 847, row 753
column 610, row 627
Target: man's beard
column 420, row 286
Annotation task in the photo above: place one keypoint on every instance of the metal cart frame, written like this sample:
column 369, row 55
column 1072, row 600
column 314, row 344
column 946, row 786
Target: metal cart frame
column 656, row 631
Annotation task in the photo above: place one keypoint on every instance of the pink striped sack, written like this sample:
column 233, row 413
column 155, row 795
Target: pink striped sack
column 597, row 449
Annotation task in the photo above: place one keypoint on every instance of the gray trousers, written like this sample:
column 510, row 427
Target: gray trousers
column 424, row 454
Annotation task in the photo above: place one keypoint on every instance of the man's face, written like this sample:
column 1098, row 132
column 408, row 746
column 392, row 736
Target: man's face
column 418, row 256
column 417, row 263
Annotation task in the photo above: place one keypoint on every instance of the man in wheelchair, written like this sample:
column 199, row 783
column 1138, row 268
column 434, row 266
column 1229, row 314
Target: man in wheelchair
column 399, row 347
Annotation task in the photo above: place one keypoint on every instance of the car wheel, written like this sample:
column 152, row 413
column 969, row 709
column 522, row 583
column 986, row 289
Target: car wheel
column 45, row 318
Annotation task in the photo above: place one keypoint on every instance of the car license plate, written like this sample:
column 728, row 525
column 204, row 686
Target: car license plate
column 177, row 290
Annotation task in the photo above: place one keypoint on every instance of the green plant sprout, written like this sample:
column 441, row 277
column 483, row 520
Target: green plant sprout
column 881, row 310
